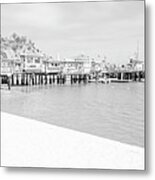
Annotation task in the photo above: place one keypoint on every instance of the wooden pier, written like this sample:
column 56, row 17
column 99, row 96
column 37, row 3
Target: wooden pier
column 126, row 76
column 31, row 79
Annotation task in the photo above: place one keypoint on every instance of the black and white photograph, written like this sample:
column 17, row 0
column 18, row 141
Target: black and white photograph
column 72, row 84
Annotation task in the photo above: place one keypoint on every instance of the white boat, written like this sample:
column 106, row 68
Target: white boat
column 100, row 80
column 92, row 81
column 104, row 80
column 142, row 80
column 115, row 80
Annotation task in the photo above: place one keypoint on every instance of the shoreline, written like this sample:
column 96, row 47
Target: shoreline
column 31, row 143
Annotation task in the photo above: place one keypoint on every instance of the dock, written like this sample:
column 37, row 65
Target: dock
column 31, row 79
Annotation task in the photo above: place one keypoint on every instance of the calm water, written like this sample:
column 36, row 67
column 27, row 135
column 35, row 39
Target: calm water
column 114, row 111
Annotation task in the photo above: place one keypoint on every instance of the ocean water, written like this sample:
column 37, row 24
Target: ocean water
column 114, row 111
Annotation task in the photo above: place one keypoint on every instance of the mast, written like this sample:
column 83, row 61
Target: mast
column 137, row 50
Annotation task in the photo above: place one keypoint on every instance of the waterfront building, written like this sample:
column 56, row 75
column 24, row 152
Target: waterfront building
column 85, row 65
column 77, row 64
column 22, row 56
column 140, row 66
column 10, row 62
column 69, row 66
column 51, row 65
column 32, row 60
column 98, row 64
column 136, row 65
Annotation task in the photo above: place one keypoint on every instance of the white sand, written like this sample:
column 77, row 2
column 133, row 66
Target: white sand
column 32, row 143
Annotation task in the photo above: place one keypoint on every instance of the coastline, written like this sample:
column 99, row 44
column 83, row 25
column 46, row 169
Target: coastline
column 31, row 143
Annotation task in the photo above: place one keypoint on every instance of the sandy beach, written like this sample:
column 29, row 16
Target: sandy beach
column 30, row 143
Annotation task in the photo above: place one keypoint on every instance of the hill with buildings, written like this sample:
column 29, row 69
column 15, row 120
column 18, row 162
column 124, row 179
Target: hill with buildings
column 13, row 46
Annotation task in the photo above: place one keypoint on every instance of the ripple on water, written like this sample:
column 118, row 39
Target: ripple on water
column 114, row 111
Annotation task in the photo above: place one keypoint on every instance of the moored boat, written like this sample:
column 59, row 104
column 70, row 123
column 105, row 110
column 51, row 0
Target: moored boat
column 120, row 80
column 92, row 81
column 104, row 80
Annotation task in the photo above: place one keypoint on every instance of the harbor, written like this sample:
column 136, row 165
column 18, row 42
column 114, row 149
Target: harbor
column 30, row 79
column 72, row 82
column 28, row 66
column 33, row 75
column 78, row 106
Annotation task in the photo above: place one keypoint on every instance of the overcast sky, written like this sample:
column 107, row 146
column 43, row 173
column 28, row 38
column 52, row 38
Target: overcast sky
column 106, row 28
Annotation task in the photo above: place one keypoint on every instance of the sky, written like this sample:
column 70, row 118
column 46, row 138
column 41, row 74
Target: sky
column 111, row 29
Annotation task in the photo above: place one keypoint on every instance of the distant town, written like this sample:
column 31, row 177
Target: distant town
column 20, row 58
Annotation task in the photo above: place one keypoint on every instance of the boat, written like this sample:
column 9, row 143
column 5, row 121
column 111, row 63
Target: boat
column 100, row 80
column 92, row 81
column 114, row 80
column 104, row 80
column 142, row 80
